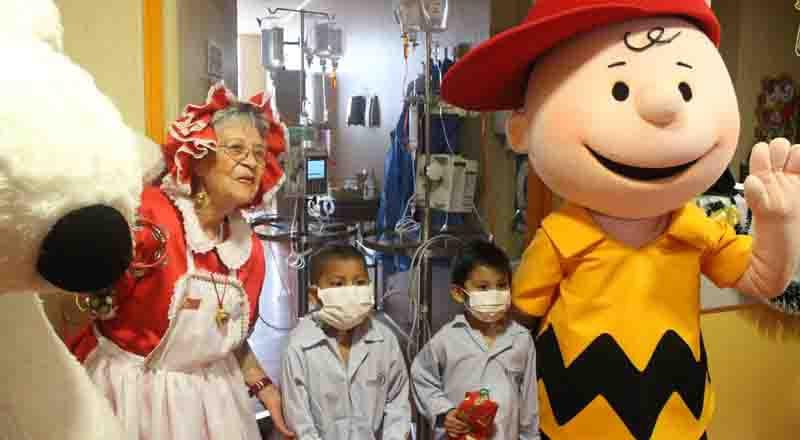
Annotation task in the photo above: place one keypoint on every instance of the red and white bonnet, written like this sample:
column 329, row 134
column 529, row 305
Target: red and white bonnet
column 192, row 136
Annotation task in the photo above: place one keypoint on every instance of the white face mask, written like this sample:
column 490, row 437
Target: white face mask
column 345, row 307
column 489, row 305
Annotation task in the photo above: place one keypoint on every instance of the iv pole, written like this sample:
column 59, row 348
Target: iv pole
column 423, row 430
column 301, row 235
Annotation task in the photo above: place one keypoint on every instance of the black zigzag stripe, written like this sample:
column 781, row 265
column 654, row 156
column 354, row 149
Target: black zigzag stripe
column 604, row 369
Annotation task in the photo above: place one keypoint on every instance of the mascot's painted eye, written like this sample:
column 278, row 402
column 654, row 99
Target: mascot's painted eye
column 620, row 91
column 686, row 91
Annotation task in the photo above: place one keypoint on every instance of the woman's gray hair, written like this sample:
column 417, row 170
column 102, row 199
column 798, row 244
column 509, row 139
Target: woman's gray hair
column 243, row 111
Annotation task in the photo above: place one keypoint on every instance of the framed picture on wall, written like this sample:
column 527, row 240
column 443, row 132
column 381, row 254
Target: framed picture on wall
column 215, row 64
column 777, row 110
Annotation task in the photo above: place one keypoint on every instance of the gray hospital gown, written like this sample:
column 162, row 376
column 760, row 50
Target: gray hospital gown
column 325, row 400
column 457, row 360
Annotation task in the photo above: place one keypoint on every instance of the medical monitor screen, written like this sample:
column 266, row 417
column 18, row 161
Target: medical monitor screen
column 316, row 169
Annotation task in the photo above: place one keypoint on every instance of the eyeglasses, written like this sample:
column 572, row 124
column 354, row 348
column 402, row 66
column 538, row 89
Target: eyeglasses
column 239, row 153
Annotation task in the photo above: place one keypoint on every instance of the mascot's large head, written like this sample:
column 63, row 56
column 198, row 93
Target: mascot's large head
column 623, row 106
column 70, row 179
column 70, row 171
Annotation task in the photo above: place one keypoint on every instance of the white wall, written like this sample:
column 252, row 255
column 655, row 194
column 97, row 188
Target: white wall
column 199, row 21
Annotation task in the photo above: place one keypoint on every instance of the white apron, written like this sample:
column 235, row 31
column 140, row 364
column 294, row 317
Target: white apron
column 190, row 387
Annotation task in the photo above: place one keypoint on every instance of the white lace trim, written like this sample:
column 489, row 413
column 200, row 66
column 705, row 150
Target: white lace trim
column 233, row 252
column 183, row 188
column 173, row 189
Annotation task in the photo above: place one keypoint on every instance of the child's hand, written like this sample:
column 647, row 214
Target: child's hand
column 270, row 397
column 455, row 426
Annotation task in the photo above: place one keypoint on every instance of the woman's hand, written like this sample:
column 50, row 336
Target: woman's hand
column 454, row 425
column 270, row 397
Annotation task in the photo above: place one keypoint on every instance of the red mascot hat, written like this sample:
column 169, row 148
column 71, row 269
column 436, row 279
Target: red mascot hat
column 507, row 57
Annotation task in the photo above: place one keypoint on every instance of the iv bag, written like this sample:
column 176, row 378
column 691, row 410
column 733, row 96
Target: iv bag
column 435, row 14
column 272, row 48
column 271, row 44
column 327, row 40
column 409, row 16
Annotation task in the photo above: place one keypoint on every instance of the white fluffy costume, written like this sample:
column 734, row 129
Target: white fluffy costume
column 70, row 179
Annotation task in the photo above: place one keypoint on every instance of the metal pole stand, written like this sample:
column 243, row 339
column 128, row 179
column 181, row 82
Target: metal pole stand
column 302, row 246
column 423, row 430
column 301, row 237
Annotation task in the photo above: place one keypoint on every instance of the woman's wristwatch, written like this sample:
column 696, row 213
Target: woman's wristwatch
column 255, row 388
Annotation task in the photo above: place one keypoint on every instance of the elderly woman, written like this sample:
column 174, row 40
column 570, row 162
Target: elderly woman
column 171, row 353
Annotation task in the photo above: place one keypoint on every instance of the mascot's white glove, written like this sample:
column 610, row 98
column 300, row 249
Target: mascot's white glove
column 772, row 191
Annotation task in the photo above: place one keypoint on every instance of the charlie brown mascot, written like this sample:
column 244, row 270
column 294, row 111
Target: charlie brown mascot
column 626, row 111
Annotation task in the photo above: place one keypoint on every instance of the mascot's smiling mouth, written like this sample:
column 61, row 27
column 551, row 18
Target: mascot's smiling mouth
column 639, row 173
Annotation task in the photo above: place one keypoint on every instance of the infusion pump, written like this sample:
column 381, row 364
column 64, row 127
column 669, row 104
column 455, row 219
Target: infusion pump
column 453, row 181
column 306, row 163
column 306, row 172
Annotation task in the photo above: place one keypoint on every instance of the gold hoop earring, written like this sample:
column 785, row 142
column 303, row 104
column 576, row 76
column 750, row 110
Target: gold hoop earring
column 201, row 199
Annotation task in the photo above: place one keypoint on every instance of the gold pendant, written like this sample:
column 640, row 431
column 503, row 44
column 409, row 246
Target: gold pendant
column 222, row 317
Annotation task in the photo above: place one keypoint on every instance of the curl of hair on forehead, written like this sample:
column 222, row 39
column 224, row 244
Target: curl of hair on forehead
column 655, row 36
column 241, row 111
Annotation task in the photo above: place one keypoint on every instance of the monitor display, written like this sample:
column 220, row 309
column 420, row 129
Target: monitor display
column 316, row 169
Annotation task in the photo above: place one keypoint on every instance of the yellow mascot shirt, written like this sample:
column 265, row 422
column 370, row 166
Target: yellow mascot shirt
column 620, row 354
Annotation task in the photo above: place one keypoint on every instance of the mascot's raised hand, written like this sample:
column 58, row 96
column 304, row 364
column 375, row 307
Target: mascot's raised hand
column 772, row 191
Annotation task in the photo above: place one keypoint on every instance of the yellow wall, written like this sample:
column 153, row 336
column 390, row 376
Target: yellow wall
column 171, row 59
column 105, row 37
column 757, row 380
